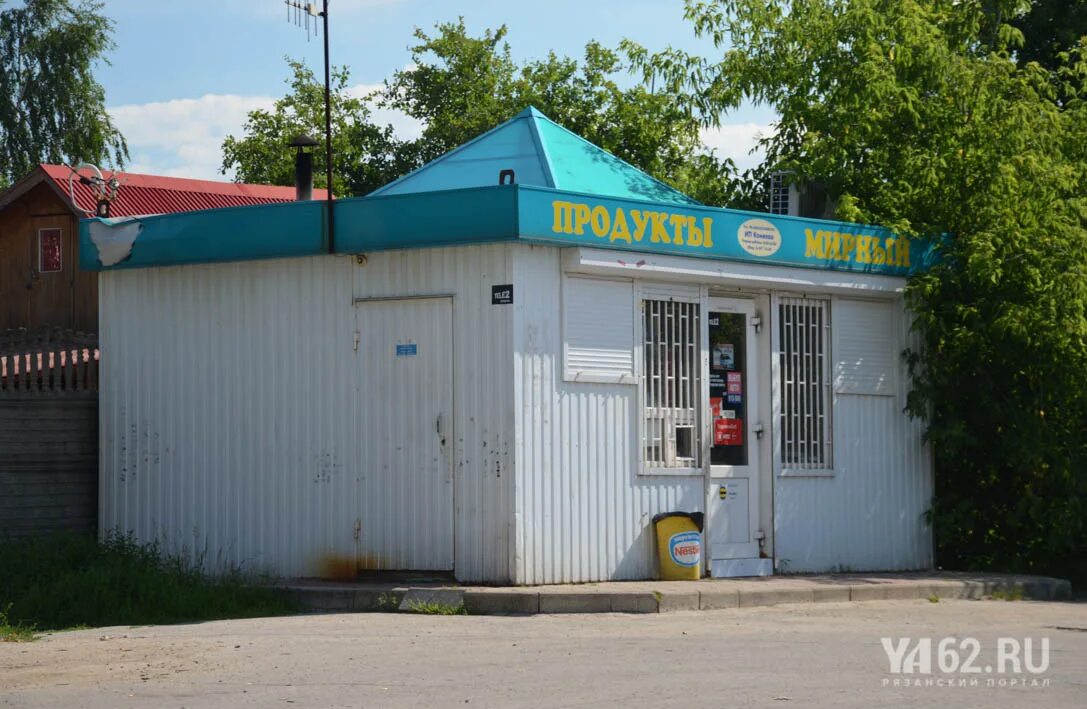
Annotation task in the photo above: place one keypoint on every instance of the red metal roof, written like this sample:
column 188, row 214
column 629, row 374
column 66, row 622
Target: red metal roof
column 152, row 194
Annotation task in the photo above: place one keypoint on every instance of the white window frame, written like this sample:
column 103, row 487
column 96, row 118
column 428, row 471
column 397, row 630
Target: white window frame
column 569, row 373
column 829, row 395
column 681, row 294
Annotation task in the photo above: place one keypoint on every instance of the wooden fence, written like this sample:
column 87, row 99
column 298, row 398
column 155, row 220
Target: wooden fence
column 47, row 362
column 48, row 432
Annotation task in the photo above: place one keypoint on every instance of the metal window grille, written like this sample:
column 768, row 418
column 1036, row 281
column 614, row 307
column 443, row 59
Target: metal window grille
column 779, row 193
column 804, row 334
column 670, row 384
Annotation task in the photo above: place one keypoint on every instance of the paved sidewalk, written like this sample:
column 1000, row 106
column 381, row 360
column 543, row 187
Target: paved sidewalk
column 667, row 596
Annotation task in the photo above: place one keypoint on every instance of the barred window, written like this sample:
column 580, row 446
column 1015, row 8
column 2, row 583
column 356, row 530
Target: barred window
column 803, row 331
column 671, row 378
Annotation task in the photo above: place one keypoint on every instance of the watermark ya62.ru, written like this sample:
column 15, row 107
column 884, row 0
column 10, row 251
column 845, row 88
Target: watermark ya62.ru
column 1013, row 656
column 1013, row 661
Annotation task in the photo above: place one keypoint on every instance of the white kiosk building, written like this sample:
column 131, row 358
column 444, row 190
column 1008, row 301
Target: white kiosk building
column 511, row 360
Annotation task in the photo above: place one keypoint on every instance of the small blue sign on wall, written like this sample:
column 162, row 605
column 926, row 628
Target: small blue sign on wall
column 407, row 350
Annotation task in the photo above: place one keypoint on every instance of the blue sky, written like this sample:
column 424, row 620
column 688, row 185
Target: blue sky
column 184, row 74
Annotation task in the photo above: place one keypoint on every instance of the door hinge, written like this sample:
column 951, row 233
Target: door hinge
column 757, row 429
column 756, row 322
column 358, row 338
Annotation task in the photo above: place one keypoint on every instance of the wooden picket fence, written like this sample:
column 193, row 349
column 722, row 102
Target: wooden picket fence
column 48, row 432
column 48, row 362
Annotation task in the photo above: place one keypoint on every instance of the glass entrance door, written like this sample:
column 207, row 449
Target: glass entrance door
column 734, row 430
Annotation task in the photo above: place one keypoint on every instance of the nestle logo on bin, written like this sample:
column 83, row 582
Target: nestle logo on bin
column 685, row 548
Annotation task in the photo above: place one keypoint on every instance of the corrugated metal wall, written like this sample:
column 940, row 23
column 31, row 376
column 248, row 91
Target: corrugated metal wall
column 230, row 426
column 869, row 514
column 582, row 511
column 230, row 418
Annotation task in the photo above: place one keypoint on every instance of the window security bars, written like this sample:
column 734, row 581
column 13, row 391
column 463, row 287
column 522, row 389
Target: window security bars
column 670, row 384
column 804, row 331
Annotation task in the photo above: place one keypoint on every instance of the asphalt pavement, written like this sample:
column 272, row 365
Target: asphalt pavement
column 823, row 655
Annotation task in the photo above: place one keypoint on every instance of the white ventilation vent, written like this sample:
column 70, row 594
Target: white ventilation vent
column 784, row 197
column 866, row 353
column 599, row 330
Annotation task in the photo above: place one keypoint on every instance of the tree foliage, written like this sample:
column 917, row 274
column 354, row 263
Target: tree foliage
column 918, row 117
column 365, row 155
column 51, row 107
column 1050, row 28
column 461, row 85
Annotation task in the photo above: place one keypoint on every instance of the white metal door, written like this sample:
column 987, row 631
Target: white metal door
column 733, row 436
column 405, row 351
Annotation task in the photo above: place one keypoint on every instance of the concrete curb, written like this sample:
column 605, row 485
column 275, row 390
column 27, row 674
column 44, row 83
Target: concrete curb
column 667, row 597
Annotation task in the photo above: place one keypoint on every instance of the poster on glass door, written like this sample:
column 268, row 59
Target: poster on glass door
column 727, row 346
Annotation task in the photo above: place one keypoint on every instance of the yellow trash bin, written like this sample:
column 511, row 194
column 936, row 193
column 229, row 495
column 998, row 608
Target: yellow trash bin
column 679, row 545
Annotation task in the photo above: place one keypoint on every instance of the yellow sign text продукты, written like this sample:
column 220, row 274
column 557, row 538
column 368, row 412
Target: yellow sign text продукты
column 632, row 226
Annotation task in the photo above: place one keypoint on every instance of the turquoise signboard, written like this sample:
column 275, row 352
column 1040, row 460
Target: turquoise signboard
column 706, row 232
column 499, row 213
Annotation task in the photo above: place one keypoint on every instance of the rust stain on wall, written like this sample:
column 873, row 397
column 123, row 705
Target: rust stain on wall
column 343, row 567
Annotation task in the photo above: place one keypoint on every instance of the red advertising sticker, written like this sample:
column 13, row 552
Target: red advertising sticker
column 728, row 432
column 715, row 407
column 49, row 258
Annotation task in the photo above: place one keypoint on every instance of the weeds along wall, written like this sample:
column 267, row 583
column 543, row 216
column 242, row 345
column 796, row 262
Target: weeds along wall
column 232, row 428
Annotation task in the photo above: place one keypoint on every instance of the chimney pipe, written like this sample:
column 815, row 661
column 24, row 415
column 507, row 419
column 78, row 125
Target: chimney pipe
column 303, row 168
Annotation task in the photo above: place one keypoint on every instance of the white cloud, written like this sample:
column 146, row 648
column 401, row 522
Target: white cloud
column 737, row 141
column 184, row 137
column 406, row 127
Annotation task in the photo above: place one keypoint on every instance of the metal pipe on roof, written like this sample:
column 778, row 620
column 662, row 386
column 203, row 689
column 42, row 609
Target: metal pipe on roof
column 303, row 168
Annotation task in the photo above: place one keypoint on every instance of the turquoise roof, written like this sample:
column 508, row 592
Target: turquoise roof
column 541, row 153
column 568, row 192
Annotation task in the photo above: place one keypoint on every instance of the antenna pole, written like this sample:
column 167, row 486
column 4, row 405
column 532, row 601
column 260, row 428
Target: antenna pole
column 328, row 137
column 301, row 8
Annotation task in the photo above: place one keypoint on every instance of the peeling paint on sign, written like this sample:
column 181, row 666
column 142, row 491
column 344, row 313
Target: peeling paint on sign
column 114, row 239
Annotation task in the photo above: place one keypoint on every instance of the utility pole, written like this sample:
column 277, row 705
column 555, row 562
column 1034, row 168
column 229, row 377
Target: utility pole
column 300, row 13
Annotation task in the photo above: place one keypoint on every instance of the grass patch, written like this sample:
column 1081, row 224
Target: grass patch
column 66, row 581
column 388, row 603
column 1014, row 593
column 434, row 608
column 934, row 598
column 17, row 633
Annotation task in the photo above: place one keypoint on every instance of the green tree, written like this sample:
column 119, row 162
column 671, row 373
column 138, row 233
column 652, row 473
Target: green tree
column 918, row 117
column 460, row 86
column 1050, row 28
column 51, row 107
column 365, row 156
